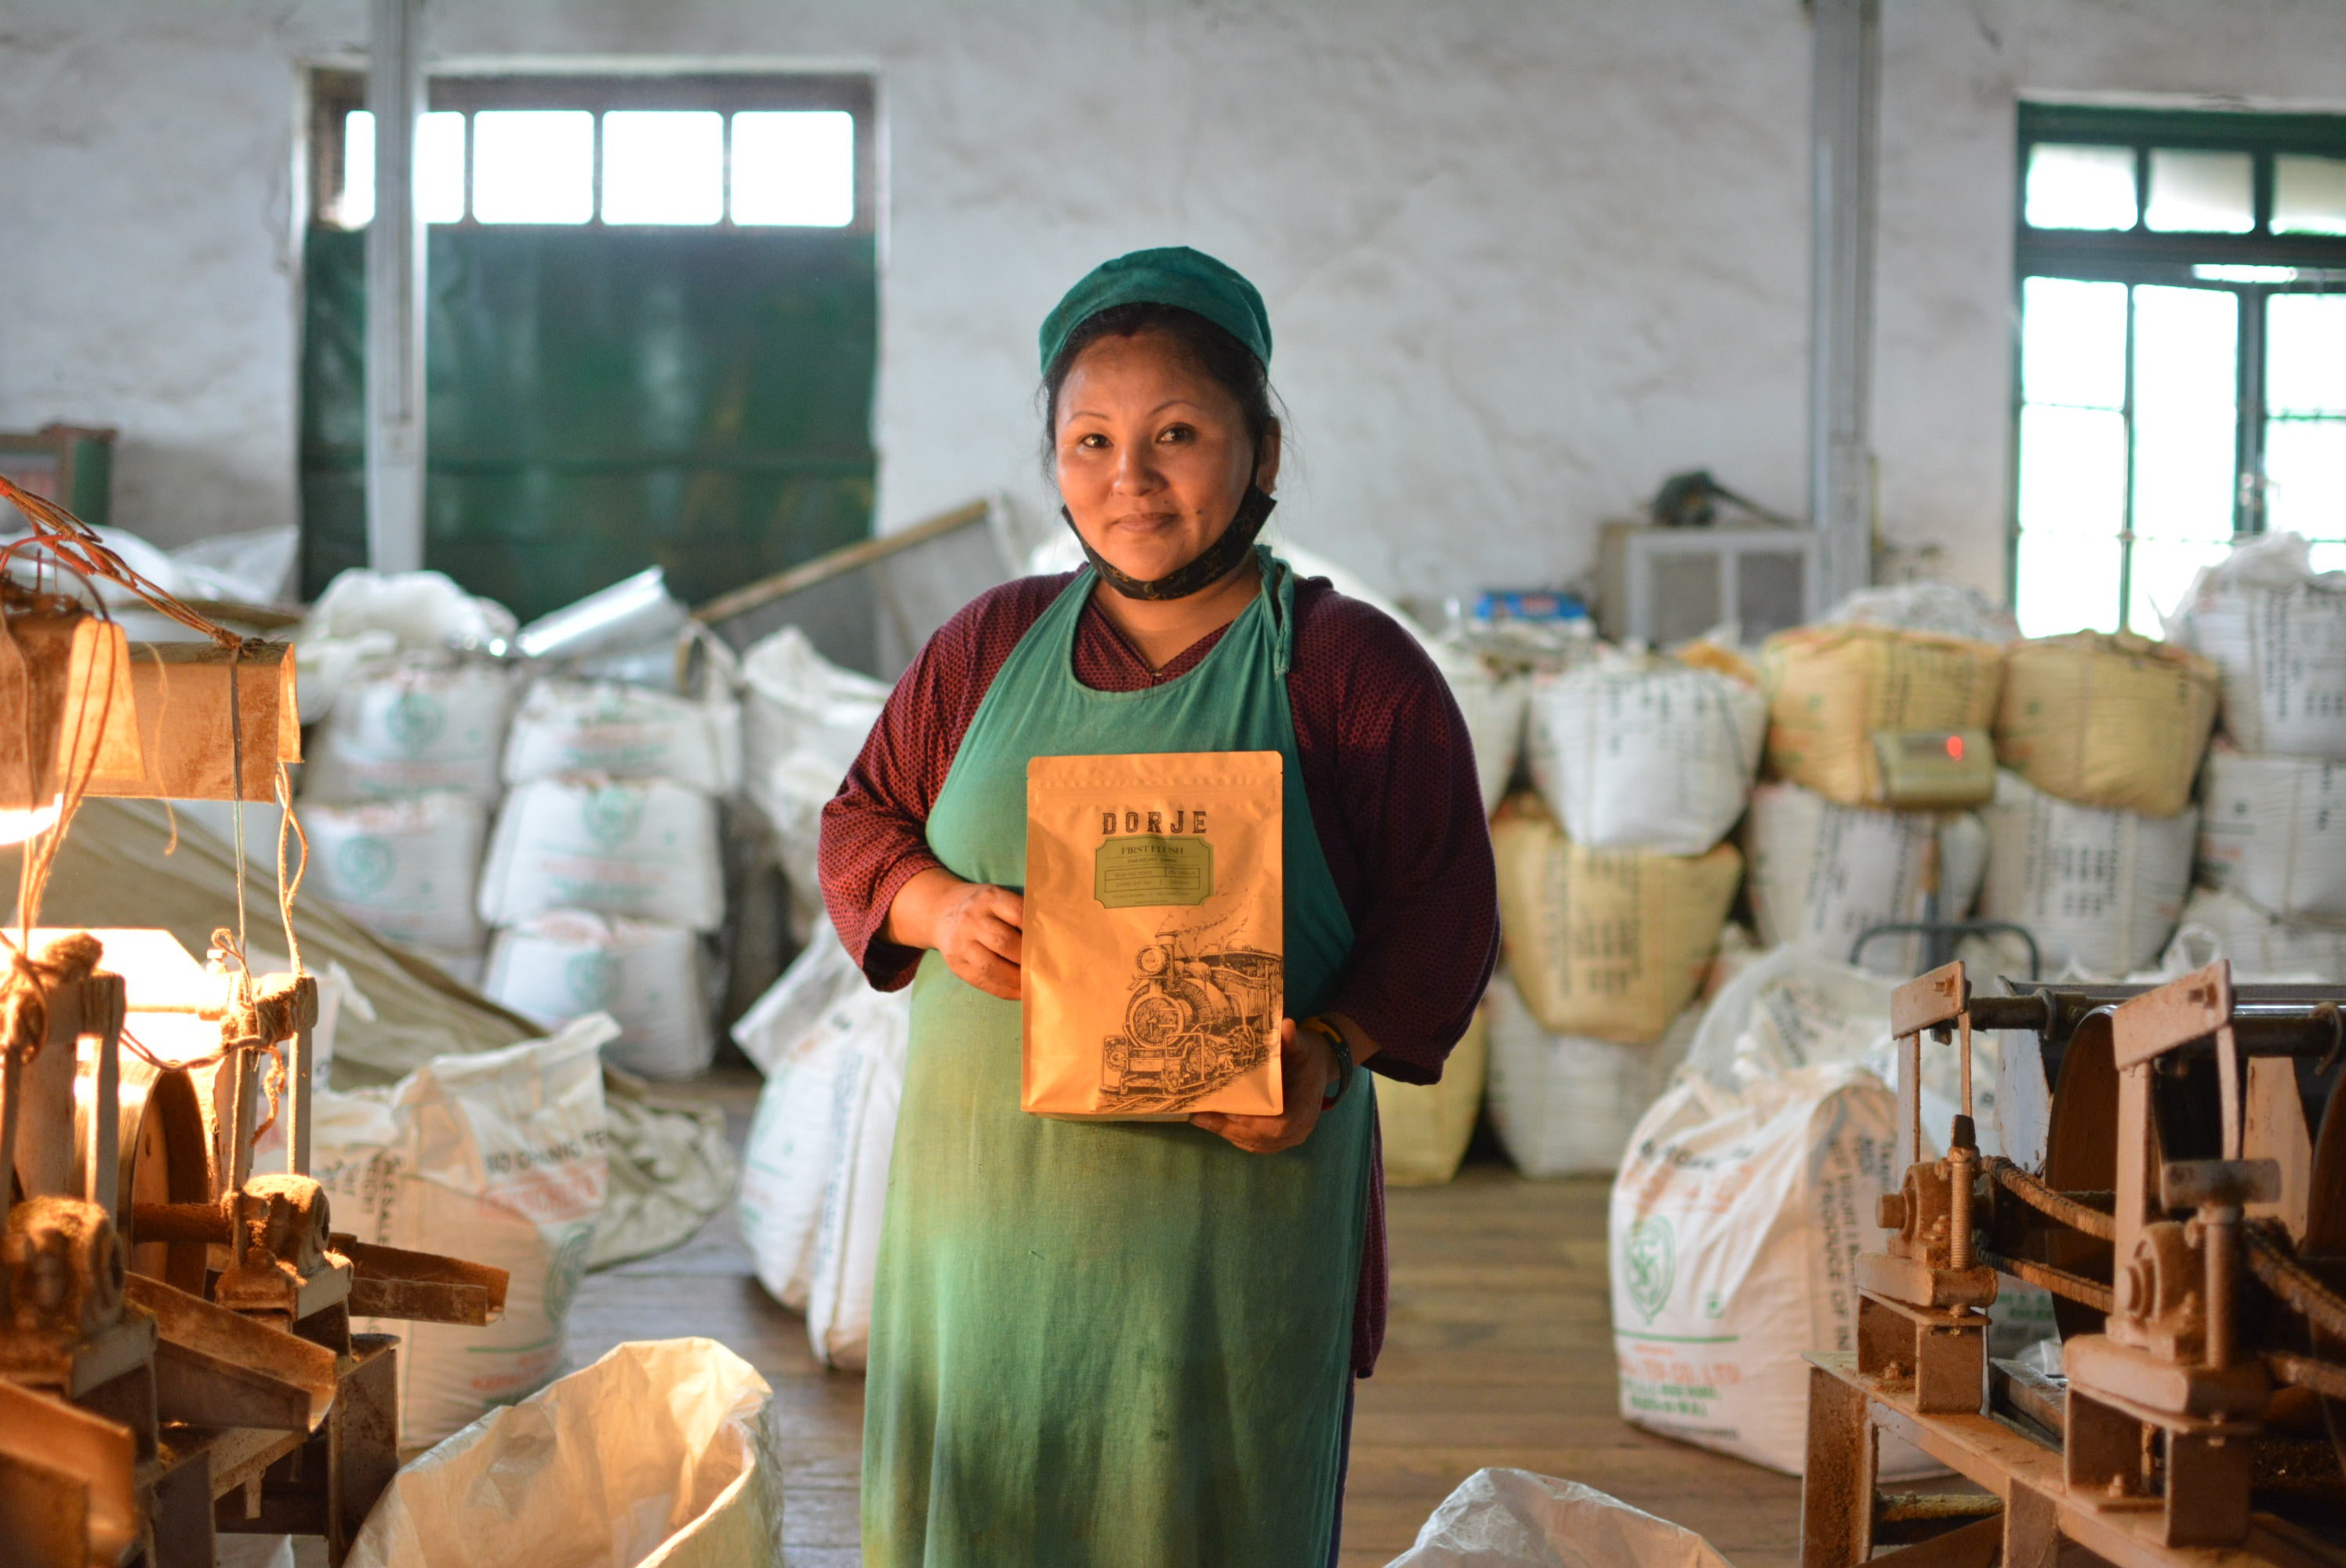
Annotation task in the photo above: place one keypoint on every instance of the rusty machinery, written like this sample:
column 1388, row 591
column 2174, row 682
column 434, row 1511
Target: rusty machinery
column 176, row 1350
column 2190, row 1223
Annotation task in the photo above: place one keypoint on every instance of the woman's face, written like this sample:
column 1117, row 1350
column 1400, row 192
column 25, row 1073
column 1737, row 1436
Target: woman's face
column 1152, row 455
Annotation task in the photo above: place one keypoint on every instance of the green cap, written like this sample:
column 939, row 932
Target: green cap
column 1169, row 275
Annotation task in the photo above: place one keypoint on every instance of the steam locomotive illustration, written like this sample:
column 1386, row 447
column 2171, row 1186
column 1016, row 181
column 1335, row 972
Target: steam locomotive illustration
column 1200, row 1015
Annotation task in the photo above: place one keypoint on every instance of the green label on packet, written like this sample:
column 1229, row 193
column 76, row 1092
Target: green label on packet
column 1152, row 869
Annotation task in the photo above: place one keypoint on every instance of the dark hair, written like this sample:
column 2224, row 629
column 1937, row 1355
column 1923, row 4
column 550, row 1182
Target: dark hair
column 1226, row 361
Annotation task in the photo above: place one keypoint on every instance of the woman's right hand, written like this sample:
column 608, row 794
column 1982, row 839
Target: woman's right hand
column 978, row 927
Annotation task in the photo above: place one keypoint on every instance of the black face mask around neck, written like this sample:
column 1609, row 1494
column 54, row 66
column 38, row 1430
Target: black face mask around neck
column 1217, row 561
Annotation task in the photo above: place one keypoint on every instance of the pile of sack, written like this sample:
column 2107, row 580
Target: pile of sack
column 2271, row 851
column 604, row 880
column 1829, row 860
column 403, row 772
column 1614, row 879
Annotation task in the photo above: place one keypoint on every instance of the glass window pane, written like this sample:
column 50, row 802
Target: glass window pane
column 533, row 166
column 354, row 204
column 2066, row 584
column 2072, row 473
column 2186, row 460
column 794, row 167
column 2163, row 569
column 2309, row 195
column 2305, row 477
column 2203, row 192
column 2305, row 353
column 439, row 168
column 2073, row 342
column 663, row 167
column 2080, row 187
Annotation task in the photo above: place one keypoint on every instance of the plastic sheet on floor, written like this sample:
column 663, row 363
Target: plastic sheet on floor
column 1514, row 1519
column 660, row 1455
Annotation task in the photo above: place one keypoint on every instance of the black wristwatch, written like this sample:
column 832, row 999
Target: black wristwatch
column 1327, row 1028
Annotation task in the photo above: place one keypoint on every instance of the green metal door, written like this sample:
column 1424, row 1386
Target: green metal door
column 603, row 399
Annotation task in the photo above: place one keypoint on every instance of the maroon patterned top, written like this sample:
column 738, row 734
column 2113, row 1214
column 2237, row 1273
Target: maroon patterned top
column 1388, row 769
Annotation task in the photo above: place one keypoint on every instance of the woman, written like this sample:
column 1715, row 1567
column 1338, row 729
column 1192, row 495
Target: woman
column 1132, row 1343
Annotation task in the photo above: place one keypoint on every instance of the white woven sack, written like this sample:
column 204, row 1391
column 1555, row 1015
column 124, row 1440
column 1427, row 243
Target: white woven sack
column 846, row 1258
column 1514, row 1519
column 1646, row 754
column 1564, row 1104
column 813, row 1122
column 1821, row 874
column 2278, row 630
column 404, row 869
column 646, row 977
column 820, row 977
column 625, row 732
column 2273, row 829
column 662, row 1454
column 2101, row 890
column 803, row 721
column 1740, row 1207
column 642, row 848
column 1493, row 705
column 409, row 724
column 496, row 1157
column 2261, row 946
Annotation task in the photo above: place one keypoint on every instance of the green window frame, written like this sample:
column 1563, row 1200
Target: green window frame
column 2178, row 286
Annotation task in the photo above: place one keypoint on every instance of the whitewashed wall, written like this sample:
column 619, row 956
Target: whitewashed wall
column 1524, row 256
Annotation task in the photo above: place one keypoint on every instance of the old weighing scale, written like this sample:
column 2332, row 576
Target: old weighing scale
column 2190, row 1222
column 176, row 1351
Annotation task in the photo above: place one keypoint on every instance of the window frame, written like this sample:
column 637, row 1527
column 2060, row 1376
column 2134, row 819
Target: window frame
column 2140, row 255
column 334, row 92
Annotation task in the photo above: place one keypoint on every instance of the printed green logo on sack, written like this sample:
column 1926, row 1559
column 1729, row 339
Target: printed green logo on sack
column 1651, row 1253
column 414, row 720
column 592, row 979
column 612, row 814
column 363, row 867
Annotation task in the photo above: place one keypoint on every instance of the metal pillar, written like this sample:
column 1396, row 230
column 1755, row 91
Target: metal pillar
column 394, row 276
column 1846, row 137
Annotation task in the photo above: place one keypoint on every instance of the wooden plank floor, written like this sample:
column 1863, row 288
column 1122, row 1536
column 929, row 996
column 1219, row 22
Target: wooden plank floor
column 1499, row 1353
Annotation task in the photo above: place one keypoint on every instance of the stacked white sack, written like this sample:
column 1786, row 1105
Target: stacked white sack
column 1566, row 1104
column 410, row 725
column 567, row 964
column 2273, row 830
column 2101, row 890
column 497, row 1157
column 2261, row 945
column 404, row 869
column 814, row 1172
column 2278, row 630
column 587, row 950
column 625, row 732
column 642, row 848
column 1823, row 873
column 1645, row 753
column 804, row 722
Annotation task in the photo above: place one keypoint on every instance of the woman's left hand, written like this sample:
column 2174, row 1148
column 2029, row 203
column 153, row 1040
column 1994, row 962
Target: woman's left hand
column 1307, row 1067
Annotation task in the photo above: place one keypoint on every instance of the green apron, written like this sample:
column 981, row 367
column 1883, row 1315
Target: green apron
column 1115, row 1343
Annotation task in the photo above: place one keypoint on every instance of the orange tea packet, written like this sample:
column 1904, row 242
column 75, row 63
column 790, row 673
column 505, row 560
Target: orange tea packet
column 1153, row 954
